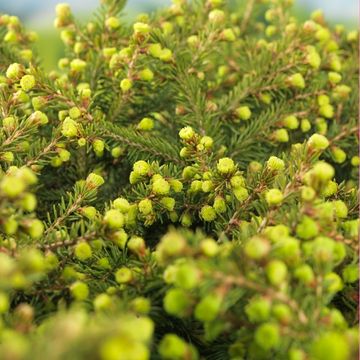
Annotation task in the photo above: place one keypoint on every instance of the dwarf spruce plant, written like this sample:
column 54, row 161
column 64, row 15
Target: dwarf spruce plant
column 181, row 188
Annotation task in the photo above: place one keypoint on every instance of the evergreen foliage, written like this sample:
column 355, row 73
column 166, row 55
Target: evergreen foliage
column 181, row 188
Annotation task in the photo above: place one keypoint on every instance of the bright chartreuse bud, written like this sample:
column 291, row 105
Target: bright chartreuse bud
column 186, row 133
column 35, row 228
column 225, row 165
column 193, row 40
column 296, row 81
column 186, row 276
column 281, row 135
column 146, row 124
column 291, row 122
column 141, row 28
column 318, row 142
column 89, row 212
column 120, row 238
column 145, row 206
column 208, row 213
column 209, row 247
column 276, row 272
column 77, row 65
column 338, row 154
column 172, row 347
column 123, row 275
column 330, row 346
column 9, row 123
column 83, row 251
column 243, row 112
column 177, row 302
column 126, row 85
column 94, row 180
column 334, row 77
column 327, row 111
column 274, row 197
column 219, row 205
column 228, row 35
column 121, row 204
column 38, row 117
column 28, row 202
column 102, row 302
column 313, row 58
column 79, row 290
column 341, row 210
column 305, row 125
column 168, row 203
column 275, row 164
column 166, row 55
column 14, row 71
column 267, row 336
column 355, row 161
column 74, row 113
column 155, row 50
column 4, row 303
column 176, row 185
column 307, row 228
column 208, row 308
column 69, row 128
column 146, row 75
column 256, row 248
column 258, row 309
column 98, row 146
column 216, row 16
column 241, row 193
column 117, row 151
column 350, row 273
column 160, row 187
column 207, row 186
column 114, row 219
column 141, row 167
column 323, row 171
column 27, row 82
column 136, row 244
column 112, row 23
column 304, row 273
column 63, row 10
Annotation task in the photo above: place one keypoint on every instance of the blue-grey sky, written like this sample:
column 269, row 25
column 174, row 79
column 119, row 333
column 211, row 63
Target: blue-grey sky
column 39, row 13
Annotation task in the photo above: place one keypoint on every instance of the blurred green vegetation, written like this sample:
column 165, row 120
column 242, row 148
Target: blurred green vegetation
column 51, row 49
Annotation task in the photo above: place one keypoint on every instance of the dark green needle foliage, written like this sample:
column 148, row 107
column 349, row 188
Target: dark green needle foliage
column 181, row 188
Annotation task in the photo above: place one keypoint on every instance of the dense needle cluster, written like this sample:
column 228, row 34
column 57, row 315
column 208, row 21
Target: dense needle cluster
column 181, row 188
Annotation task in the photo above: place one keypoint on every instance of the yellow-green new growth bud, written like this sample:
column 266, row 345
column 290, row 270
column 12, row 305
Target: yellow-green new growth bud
column 281, row 135
column 275, row 164
column 77, row 65
column 274, row 197
column 121, row 204
column 83, row 251
column 305, row 125
column 89, row 212
column 168, row 203
column 307, row 228
column 219, row 205
column 141, row 167
column 323, row 171
column 186, row 133
column 166, row 55
column 177, row 302
column 257, row 248
column 79, row 290
column 228, row 35
column 126, row 85
column 145, row 206
column 35, row 228
column 339, row 155
column 136, row 244
column 74, row 113
column 327, row 111
column 112, row 23
column 27, row 82
column 155, row 50
column 14, row 71
column 276, row 272
column 208, row 308
column 12, row 186
column 334, row 77
column 216, row 16
column 69, row 128
column 63, row 10
column 341, row 210
column 114, row 219
column 291, row 122
column 207, row 142
column 318, row 142
column 243, row 112
column 208, row 213
column 160, row 187
column 7, row 156
column 146, row 124
column 258, row 309
column 141, row 28
column 267, row 336
column 123, row 275
column 28, row 202
column 146, row 75
column 94, row 180
column 241, row 193
column 296, row 81
column 225, row 165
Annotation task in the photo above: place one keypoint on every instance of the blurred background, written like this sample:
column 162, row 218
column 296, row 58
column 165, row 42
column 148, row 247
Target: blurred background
column 39, row 15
